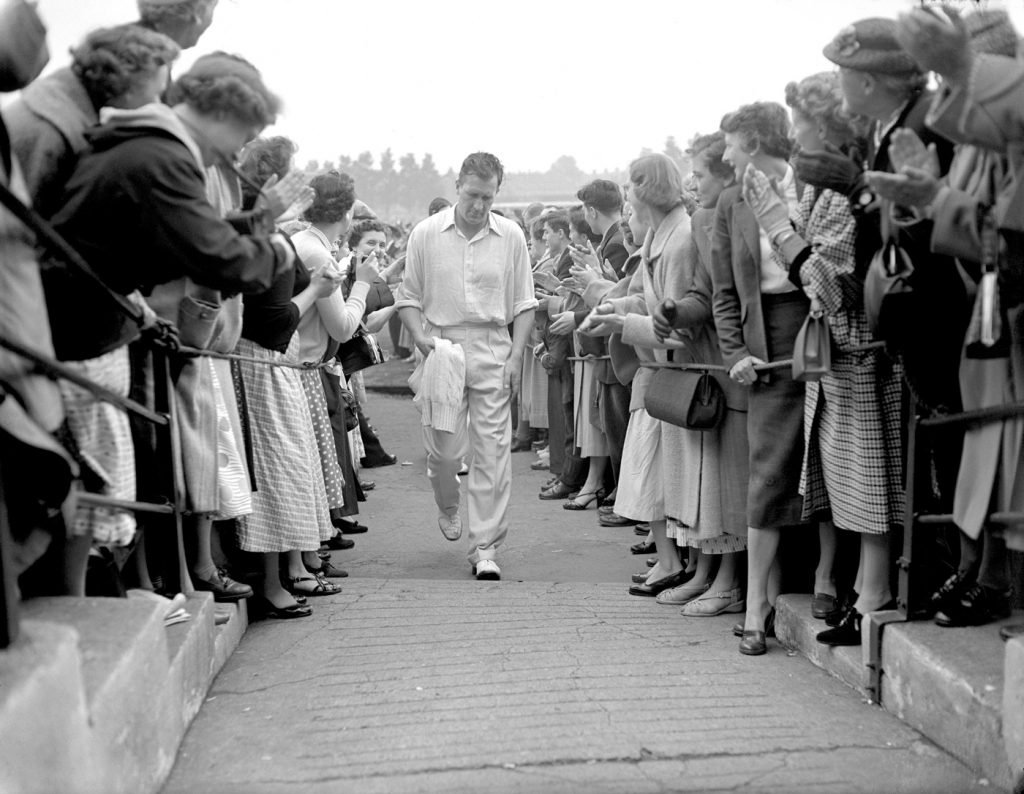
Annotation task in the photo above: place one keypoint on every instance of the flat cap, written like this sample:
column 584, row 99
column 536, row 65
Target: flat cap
column 870, row 45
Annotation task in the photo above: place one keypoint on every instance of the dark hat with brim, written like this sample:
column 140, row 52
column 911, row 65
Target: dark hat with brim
column 870, row 45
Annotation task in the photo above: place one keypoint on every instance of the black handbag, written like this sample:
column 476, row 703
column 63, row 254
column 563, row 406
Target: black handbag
column 688, row 398
column 359, row 352
column 888, row 290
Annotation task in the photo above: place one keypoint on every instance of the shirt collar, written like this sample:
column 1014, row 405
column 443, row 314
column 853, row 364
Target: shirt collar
column 448, row 221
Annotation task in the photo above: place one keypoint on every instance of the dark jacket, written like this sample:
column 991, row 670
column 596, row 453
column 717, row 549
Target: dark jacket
column 560, row 347
column 936, row 321
column 612, row 250
column 736, row 273
column 135, row 208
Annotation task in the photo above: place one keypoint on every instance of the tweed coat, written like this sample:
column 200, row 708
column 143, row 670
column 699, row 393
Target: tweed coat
column 851, row 469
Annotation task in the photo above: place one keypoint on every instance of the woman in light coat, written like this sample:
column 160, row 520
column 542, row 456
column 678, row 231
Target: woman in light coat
column 669, row 472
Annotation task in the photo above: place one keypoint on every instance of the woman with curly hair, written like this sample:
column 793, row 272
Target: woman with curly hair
column 758, row 312
column 135, row 207
column 123, row 67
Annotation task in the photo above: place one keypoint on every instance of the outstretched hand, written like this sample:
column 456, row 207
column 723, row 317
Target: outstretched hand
column 285, row 199
column 937, row 38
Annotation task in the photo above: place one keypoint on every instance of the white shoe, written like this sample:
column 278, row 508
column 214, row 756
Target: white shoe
column 487, row 569
column 451, row 526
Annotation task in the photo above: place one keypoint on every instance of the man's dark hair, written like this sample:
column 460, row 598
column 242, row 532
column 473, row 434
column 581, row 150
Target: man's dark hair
column 483, row 165
column 580, row 225
column 437, row 205
column 558, row 221
column 603, row 195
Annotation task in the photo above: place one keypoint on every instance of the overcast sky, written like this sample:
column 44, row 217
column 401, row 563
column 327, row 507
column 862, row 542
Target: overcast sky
column 529, row 80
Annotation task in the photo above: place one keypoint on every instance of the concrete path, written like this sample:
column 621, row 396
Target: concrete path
column 417, row 678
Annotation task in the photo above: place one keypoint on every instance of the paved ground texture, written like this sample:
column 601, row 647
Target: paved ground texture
column 419, row 679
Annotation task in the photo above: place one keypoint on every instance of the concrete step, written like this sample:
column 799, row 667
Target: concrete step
column 104, row 680
column 953, row 685
column 42, row 707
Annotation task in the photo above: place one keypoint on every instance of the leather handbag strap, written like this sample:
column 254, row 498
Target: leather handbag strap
column 59, row 247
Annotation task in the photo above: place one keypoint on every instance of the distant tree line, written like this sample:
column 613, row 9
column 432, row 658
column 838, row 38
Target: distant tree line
column 402, row 189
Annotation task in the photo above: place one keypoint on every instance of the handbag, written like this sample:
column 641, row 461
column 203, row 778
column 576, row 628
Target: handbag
column 349, row 408
column 888, row 291
column 359, row 352
column 687, row 398
column 812, row 351
column 987, row 335
column 197, row 321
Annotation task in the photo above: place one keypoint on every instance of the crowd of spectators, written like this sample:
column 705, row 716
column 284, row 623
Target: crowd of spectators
column 201, row 241
column 874, row 205
column 878, row 204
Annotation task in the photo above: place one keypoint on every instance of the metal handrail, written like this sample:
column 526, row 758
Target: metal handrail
column 53, row 369
column 905, row 607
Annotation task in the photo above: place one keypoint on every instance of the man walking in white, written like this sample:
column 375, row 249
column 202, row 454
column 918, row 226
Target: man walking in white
column 467, row 278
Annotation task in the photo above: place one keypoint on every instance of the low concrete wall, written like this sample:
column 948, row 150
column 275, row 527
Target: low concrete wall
column 97, row 694
column 962, row 688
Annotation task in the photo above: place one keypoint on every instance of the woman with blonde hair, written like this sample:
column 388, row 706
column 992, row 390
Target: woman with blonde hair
column 669, row 472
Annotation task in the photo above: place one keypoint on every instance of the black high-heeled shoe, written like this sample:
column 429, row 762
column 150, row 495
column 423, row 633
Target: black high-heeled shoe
column 588, row 500
column 845, row 605
column 846, row 633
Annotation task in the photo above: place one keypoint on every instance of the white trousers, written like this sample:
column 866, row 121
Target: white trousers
column 484, row 433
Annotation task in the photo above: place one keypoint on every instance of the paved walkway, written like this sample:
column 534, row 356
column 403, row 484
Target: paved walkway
column 419, row 679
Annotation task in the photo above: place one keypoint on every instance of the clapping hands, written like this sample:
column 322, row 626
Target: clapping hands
column 286, row 199
column 916, row 181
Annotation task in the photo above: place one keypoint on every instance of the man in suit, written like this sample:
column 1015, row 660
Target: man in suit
column 880, row 80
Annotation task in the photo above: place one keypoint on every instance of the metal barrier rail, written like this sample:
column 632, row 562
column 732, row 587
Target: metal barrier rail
column 163, row 419
column 782, row 363
column 917, row 480
column 170, row 507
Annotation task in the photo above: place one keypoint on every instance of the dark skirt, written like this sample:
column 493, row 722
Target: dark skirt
column 775, row 422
